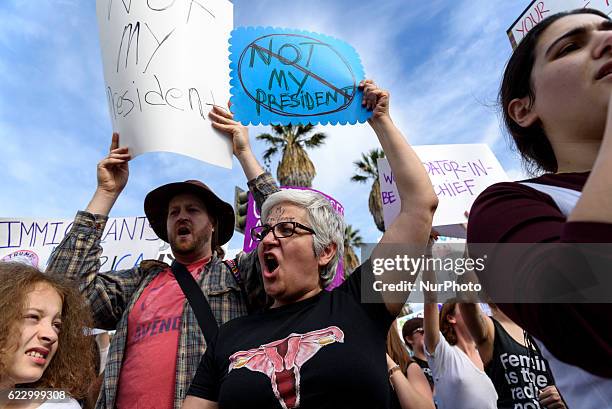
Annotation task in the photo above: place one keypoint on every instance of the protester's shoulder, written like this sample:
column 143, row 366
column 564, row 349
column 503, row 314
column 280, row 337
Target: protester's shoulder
column 502, row 191
column 442, row 351
column 355, row 277
column 241, row 323
column 152, row 265
column 68, row 404
column 503, row 206
column 223, row 274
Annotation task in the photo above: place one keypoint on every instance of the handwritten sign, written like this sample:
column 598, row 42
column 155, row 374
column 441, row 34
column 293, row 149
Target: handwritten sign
column 538, row 10
column 459, row 173
column 253, row 219
column 126, row 241
column 281, row 76
column 166, row 62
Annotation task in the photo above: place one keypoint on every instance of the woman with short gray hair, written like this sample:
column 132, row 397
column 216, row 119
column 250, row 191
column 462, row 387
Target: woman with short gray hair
column 327, row 223
column 314, row 348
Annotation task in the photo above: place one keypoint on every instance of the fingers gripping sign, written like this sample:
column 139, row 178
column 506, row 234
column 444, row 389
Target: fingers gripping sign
column 112, row 174
column 375, row 100
column 113, row 170
column 223, row 120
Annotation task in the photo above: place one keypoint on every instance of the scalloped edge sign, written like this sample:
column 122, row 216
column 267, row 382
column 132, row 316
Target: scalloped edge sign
column 284, row 76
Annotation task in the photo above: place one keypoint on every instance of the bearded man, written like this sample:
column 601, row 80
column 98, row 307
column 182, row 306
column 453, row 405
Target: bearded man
column 158, row 343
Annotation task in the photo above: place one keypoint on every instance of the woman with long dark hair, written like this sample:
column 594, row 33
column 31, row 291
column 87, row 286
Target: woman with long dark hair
column 555, row 98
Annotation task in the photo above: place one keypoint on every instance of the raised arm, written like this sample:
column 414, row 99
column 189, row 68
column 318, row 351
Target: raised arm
column 223, row 120
column 481, row 328
column 77, row 256
column 431, row 315
column 412, row 226
column 413, row 391
column 431, row 326
column 261, row 185
column 418, row 199
column 112, row 175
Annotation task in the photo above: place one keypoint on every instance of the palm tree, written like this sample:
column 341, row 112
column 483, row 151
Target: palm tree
column 352, row 239
column 367, row 168
column 295, row 167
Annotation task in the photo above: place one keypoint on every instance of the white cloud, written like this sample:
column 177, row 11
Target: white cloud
column 439, row 95
column 446, row 97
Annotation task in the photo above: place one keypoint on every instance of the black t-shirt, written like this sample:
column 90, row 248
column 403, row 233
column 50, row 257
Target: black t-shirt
column 327, row 351
column 426, row 370
column 517, row 372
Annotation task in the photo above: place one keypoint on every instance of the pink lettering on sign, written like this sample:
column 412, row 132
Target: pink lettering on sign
column 533, row 17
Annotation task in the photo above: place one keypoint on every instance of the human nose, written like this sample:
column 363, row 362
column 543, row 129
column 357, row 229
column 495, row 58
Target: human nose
column 47, row 333
column 182, row 214
column 604, row 44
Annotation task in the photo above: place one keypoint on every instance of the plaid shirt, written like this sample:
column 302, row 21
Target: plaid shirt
column 112, row 295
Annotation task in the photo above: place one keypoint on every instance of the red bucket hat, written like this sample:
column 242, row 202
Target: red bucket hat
column 157, row 201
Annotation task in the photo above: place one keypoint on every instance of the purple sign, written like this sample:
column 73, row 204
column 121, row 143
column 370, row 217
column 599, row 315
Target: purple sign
column 253, row 219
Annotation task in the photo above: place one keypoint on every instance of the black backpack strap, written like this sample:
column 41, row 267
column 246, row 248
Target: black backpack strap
column 197, row 300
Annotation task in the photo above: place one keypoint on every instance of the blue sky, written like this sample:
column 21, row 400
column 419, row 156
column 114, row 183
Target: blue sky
column 441, row 60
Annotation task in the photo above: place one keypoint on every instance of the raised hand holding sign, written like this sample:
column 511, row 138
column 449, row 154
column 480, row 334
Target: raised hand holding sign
column 166, row 63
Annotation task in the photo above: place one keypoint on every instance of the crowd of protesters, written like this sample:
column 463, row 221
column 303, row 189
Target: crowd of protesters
column 260, row 331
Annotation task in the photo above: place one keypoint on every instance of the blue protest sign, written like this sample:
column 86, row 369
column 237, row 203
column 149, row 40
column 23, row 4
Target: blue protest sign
column 282, row 76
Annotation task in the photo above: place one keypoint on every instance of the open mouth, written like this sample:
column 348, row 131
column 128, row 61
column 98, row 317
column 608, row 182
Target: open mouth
column 183, row 231
column 39, row 355
column 271, row 262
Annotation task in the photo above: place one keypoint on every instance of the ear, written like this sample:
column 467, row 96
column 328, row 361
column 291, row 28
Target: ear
column 451, row 319
column 522, row 111
column 327, row 254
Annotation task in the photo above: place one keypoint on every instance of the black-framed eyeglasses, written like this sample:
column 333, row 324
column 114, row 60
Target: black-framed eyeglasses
column 279, row 230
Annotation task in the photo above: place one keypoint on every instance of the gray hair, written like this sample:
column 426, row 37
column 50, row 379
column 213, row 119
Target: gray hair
column 324, row 220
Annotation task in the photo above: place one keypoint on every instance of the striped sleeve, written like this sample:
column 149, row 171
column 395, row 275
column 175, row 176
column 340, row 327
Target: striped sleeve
column 77, row 258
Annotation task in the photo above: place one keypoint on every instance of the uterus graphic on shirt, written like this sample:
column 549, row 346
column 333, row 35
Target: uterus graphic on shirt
column 282, row 360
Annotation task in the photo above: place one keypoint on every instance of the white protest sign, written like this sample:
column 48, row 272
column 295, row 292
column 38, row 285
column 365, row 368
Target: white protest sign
column 459, row 173
column 166, row 62
column 538, row 10
column 126, row 241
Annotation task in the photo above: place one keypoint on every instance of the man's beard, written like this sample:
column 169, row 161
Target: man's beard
column 186, row 248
